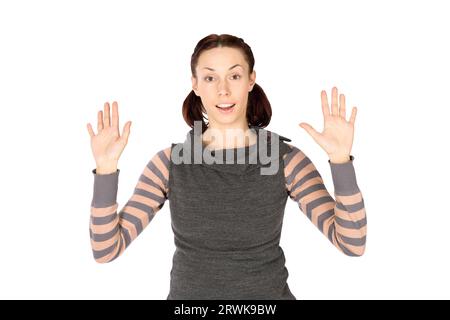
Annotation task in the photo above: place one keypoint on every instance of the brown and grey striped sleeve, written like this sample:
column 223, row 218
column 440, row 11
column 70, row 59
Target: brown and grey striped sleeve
column 112, row 233
column 342, row 221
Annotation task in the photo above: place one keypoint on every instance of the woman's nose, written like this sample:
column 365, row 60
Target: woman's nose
column 223, row 88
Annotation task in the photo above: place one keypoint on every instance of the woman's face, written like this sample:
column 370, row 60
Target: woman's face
column 222, row 78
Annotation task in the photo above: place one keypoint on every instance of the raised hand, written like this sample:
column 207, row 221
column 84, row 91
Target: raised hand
column 337, row 135
column 107, row 145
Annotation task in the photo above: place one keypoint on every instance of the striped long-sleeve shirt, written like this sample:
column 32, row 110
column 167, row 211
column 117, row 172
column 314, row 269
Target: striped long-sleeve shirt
column 342, row 220
column 112, row 232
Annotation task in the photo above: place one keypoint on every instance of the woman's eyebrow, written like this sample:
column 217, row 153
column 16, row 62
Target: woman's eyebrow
column 236, row 65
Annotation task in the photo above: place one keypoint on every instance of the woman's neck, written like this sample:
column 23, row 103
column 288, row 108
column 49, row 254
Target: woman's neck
column 227, row 138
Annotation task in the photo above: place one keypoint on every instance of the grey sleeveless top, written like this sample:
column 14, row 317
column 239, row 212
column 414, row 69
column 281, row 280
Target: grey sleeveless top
column 227, row 221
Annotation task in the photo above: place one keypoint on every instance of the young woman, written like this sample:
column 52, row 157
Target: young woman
column 227, row 216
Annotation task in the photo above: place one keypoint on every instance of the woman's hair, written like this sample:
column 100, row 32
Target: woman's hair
column 259, row 111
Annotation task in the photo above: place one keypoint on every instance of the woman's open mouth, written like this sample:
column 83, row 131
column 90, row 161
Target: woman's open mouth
column 226, row 108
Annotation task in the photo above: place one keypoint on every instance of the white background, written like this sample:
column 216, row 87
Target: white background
column 60, row 61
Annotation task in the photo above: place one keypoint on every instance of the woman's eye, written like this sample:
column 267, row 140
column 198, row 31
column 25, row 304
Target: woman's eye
column 233, row 76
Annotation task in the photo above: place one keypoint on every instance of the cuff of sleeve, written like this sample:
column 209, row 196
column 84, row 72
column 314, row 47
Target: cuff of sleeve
column 105, row 189
column 344, row 177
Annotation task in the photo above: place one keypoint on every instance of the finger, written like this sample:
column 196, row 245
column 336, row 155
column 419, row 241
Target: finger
column 115, row 115
column 126, row 130
column 353, row 116
column 99, row 121
column 311, row 131
column 106, row 120
column 342, row 106
column 334, row 102
column 91, row 132
column 325, row 107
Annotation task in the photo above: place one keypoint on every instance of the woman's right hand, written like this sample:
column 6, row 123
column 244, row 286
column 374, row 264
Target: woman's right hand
column 107, row 145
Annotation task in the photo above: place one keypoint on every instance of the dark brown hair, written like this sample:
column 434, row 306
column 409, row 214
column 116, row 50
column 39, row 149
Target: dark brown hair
column 259, row 110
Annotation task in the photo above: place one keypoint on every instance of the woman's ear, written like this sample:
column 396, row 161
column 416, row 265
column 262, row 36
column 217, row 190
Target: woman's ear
column 252, row 80
column 194, row 84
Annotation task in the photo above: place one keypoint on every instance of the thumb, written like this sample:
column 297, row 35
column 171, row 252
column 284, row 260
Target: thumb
column 126, row 130
column 312, row 132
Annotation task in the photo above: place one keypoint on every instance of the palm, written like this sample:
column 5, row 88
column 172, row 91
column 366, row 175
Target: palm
column 337, row 135
column 108, row 145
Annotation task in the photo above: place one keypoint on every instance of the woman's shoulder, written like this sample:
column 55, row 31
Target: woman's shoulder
column 292, row 150
column 161, row 159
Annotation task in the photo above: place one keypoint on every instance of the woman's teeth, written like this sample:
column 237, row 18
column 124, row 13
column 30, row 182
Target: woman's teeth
column 225, row 108
column 225, row 105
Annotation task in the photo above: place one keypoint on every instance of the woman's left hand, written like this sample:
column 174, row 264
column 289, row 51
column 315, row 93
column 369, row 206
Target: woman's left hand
column 337, row 136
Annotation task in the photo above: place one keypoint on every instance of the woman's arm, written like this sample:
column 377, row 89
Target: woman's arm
column 112, row 233
column 342, row 221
